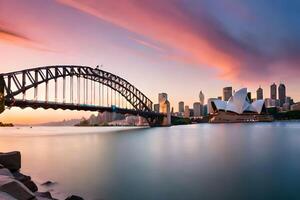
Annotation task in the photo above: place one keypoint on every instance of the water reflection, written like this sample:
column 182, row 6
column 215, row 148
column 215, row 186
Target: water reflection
column 205, row 161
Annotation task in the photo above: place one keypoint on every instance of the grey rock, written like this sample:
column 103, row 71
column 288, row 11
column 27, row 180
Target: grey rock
column 48, row 183
column 11, row 160
column 15, row 188
column 21, row 177
column 5, row 172
column 43, row 194
column 31, row 186
column 74, row 197
column 5, row 196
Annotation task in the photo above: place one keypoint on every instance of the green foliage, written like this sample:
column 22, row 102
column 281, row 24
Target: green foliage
column 289, row 115
column 180, row 121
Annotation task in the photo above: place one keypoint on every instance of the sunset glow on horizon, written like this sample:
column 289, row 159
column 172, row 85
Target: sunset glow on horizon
column 177, row 47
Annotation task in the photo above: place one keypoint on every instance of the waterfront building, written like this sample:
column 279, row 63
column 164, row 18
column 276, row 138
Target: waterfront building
column 181, row 107
column 286, row 106
column 205, row 112
column 289, row 100
column 238, row 109
column 156, row 108
column 281, row 94
column 197, row 107
column 162, row 97
column 186, row 111
column 295, row 106
column 201, row 98
column 191, row 112
column 270, row 102
column 164, row 107
column 227, row 93
column 273, row 91
column 259, row 93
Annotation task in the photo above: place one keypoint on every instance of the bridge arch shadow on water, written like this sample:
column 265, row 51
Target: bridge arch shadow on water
column 89, row 89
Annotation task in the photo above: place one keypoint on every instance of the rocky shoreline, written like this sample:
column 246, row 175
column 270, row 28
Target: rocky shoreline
column 16, row 186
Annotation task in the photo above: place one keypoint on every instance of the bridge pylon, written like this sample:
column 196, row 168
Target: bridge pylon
column 2, row 99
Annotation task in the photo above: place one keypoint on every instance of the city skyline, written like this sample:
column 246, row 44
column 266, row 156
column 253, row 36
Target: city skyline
column 220, row 54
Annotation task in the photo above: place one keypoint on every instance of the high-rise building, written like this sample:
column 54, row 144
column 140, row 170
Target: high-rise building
column 273, row 91
column 164, row 107
column 227, row 93
column 281, row 94
column 162, row 97
column 197, row 109
column 181, row 107
column 186, row 111
column 201, row 98
column 259, row 93
column 156, row 108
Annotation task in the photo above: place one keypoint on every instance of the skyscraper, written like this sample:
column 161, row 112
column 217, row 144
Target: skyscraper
column 273, row 91
column 197, row 109
column 181, row 107
column 281, row 93
column 201, row 98
column 227, row 93
column 156, row 108
column 186, row 111
column 259, row 93
column 162, row 97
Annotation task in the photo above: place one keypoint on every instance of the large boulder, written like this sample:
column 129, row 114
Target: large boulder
column 43, row 194
column 74, row 197
column 5, row 172
column 5, row 196
column 26, row 180
column 11, row 160
column 15, row 188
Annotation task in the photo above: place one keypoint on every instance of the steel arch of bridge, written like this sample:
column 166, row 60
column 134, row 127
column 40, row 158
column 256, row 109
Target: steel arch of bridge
column 26, row 79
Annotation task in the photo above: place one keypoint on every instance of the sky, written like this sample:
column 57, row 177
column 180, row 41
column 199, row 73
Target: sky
column 175, row 46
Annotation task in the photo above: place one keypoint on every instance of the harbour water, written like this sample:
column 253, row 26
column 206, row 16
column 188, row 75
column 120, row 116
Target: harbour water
column 203, row 161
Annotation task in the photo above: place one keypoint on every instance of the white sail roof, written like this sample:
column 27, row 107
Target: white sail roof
column 239, row 103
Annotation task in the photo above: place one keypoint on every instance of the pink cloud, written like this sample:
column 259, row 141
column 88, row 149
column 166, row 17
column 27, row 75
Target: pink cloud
column 165, row 23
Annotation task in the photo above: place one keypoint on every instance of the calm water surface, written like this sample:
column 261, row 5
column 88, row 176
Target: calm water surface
column 204, row 161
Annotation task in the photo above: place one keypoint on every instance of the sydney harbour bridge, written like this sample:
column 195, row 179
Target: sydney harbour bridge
column 81, row 88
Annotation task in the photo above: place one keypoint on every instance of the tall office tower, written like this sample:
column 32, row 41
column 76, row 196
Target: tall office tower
column 186, row 111
column 156, row 108
column 273, row 91
column 281, row 93
column 259, row 93
column 162, row 97
column 201, row 97
column 181, row 107
column 197, row 109
column 227, row 93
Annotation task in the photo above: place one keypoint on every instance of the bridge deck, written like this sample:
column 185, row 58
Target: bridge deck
column 80, row 107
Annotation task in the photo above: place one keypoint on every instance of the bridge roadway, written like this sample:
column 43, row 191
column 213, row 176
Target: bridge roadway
column 80, row 107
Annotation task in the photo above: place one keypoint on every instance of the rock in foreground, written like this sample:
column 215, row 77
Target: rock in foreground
column 17, row 186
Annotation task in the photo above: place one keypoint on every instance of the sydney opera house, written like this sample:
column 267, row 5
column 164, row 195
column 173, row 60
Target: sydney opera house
column 239, row 109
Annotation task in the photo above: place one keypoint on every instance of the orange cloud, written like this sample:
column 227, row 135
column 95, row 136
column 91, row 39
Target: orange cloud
column 19, row 40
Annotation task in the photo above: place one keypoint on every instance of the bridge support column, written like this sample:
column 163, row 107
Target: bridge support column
column 2, row 100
